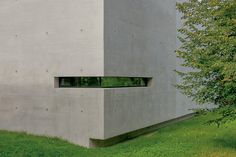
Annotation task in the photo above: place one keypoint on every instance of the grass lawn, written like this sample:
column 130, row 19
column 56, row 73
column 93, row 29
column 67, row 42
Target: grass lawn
column 189, row 138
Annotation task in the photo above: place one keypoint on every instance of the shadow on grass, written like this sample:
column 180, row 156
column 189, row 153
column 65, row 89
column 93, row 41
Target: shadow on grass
column 228, row 141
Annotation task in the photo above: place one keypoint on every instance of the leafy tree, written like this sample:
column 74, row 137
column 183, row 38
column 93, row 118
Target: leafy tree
column 208, row 51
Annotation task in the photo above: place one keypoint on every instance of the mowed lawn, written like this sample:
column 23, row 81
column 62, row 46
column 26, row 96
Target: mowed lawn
column 190, row 138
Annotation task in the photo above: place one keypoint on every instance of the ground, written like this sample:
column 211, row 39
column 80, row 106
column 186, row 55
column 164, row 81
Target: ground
column 183, row 139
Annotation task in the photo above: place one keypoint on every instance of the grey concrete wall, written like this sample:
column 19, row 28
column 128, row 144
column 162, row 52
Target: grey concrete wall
column 140, row 40
column 41, row 39
column 186, row 105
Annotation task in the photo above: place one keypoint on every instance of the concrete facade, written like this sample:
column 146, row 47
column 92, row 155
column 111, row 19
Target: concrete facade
column 41, row 40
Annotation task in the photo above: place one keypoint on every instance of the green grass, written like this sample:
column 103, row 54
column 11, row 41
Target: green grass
column 190, row 138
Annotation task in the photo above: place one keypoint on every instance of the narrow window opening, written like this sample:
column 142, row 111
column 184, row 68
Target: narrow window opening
column 101, row 82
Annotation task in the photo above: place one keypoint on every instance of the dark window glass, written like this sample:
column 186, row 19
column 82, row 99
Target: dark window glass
column 102, row 82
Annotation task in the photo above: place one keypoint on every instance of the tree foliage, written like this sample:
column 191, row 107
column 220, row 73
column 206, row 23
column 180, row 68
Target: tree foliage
column 208, row 51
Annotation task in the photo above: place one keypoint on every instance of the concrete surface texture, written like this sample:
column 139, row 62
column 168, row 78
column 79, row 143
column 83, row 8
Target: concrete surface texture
column 42, row 40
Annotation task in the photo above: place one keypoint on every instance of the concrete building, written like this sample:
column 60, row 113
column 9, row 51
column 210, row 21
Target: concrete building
column 44, row 40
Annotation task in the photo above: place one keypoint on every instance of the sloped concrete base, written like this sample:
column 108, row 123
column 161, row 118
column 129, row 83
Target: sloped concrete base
column 131, row 135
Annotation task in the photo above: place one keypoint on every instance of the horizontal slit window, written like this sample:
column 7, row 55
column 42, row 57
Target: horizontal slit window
column 102, row 82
